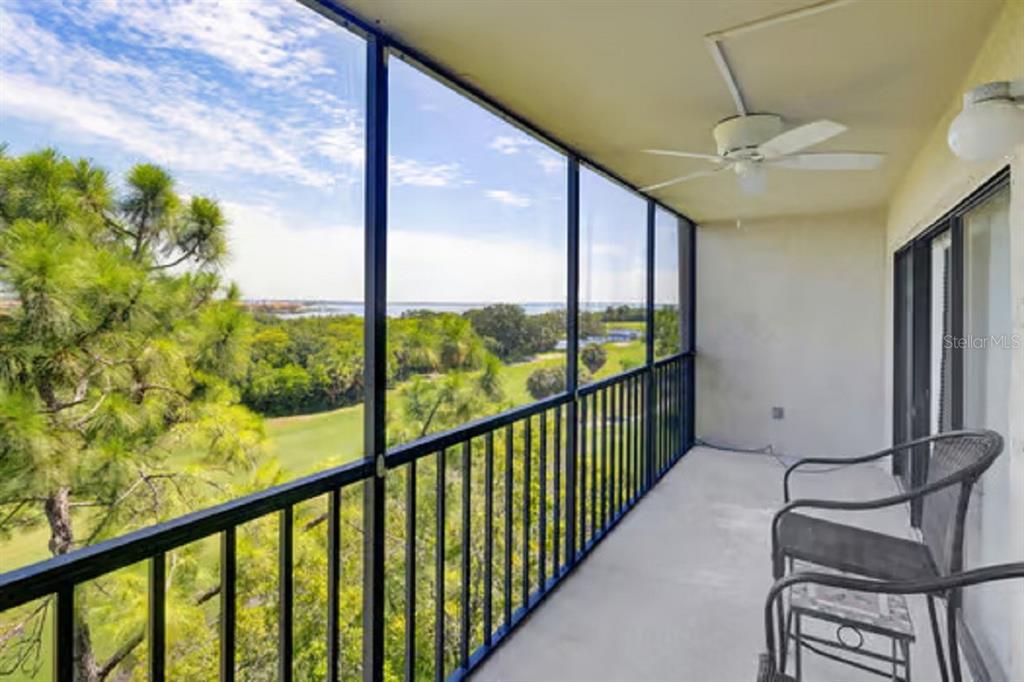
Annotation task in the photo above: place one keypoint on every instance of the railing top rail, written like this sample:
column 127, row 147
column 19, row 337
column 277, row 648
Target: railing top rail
column 405, row 453
column 614, row 379
column 37, row 580
column 660, row 362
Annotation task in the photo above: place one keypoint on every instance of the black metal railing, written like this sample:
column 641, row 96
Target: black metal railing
column 482, row 522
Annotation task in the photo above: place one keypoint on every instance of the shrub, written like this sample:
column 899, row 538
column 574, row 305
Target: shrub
column 593, row 357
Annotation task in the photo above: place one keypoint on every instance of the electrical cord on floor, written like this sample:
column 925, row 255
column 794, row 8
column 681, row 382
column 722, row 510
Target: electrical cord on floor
column 769, row 450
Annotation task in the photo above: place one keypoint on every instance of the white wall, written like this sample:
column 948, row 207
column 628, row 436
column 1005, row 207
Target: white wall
column 790, row 314
column 935, row 182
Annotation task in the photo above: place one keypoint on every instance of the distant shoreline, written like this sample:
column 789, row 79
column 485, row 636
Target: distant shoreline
column 290, row 308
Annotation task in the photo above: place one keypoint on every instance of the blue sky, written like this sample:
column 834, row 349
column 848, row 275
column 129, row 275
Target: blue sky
column 259, row 103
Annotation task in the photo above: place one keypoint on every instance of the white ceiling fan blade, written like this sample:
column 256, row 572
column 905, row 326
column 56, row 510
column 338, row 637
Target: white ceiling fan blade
column 681, row 178
column 830, row 161
column 685, row 155
column 800, row 138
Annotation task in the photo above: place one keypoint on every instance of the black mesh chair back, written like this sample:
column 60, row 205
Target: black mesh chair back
column 954, row 463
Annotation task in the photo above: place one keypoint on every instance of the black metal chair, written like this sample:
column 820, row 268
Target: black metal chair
column 768, row 669
column 952, row 463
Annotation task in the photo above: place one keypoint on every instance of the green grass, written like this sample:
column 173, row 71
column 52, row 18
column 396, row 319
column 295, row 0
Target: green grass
column 635, row 326
column 301, row 444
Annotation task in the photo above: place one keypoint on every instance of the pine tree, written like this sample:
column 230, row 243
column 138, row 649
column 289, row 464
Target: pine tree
column 118, row 345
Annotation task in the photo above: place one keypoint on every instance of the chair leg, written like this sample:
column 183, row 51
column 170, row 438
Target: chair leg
column 906, row 660
column 779, row 570
column 951, row 639
column 937, row 637
column 895, row 660
column 797, row 658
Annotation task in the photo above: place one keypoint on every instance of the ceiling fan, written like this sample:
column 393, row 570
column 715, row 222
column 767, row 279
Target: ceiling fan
column 751, row 144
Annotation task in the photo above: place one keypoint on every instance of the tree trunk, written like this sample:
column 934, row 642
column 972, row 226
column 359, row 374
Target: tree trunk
column 58, row 513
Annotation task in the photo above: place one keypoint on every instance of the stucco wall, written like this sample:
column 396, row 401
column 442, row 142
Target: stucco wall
column 790, row 315
column 935, row 182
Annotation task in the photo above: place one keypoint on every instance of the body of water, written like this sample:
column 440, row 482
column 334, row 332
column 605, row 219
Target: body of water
column 292, row 309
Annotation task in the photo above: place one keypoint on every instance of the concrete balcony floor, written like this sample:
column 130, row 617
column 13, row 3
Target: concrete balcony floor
column 676, row 592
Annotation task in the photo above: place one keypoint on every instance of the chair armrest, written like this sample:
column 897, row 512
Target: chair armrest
column 837, row 462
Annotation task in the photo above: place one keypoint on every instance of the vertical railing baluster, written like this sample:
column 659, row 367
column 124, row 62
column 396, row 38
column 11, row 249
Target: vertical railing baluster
column 637, row 436
column 665, row 417
column 488, row 535
column 594, row 462
column 655, row 408
column 228, row 568
column 626, row 424
column 668, row 416
column 657, row 421
column 675, row 410
column 623, row 451
column 467, row 452
column 157, row 616
column 64, row 634
column 285, row 593
column 542, row 526
column 667, row 410
column 333, row 584
column 605, row 479
column 616, row 409
column 410, row 571
column 628, row 438
column 556, row 544
column 679, row 408
column 661, row 421
column 439, row 562
column 581, row 488
column 507, row 576
column 527, row 456
column 670, row 383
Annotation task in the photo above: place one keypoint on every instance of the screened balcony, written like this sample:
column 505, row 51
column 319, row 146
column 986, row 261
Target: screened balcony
column 369, row 339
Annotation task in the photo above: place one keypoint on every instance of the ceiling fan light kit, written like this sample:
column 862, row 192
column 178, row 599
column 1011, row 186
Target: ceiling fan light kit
column 991, row 123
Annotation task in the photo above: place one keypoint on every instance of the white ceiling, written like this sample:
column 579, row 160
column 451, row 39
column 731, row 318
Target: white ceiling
column 610, row 78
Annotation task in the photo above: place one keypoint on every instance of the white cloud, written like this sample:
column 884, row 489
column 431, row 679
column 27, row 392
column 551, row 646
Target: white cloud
column 504, row 196
column 510, row 144
column 160, row 110
column 265, row 39
column 412, row 172
column 272, row 258
column 426, row 266
column 550, row 163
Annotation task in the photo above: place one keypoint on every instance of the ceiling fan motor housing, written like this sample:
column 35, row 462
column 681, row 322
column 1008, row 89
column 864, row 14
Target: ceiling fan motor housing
column 738, row 137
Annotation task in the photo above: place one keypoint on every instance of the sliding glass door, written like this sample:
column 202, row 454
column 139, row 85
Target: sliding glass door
column 952, row 313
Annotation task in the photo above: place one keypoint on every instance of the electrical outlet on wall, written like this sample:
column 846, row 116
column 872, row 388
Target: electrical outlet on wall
column 778, row 413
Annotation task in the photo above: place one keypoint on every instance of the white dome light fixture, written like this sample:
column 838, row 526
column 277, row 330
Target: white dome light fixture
column 991, row 123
